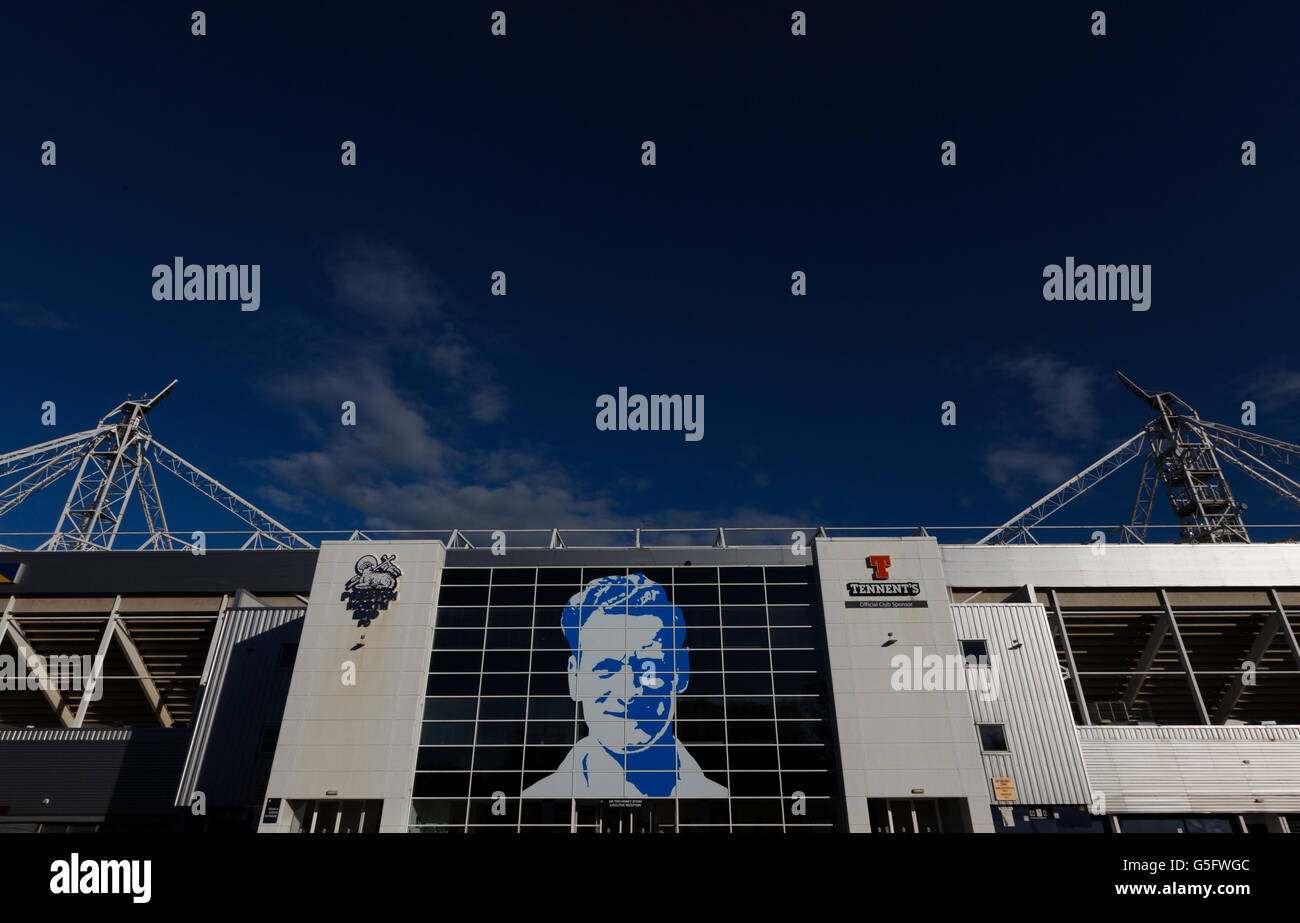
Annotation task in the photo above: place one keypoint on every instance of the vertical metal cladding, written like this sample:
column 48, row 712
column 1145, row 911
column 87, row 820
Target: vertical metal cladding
column 253, row 697
column 1043, row 755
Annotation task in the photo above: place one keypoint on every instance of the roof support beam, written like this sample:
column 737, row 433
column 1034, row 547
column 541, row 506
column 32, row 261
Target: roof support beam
column 1158, row 633
column 141, row 671
column 1285, row 627
column 1186, row 661
column 91, row 683
column 1267, row 632
column 40, row 672
column 1058, row 622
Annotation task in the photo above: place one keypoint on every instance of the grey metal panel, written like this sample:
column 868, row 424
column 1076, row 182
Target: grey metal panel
column 1193, row 769
column 91, row 733
column 1192, row 732
column 273, row 572
column 701, row 556
column 90, row 774
column 1064, row 566
column 135, row 572
column 243, row 692
column 1044, row 757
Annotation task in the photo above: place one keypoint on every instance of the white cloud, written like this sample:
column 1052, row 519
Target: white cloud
column 1065, row 395
column 1013, row 468
column 31, row 316
column 1275, row 389
column 415, row 459
column 470, row 377
column 409, row 462
column 383, row 283
column 392, row 429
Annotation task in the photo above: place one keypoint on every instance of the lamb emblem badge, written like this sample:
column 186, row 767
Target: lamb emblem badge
column 372, row 588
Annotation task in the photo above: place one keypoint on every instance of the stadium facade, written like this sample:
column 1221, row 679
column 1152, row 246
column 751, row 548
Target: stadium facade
column 853, row 683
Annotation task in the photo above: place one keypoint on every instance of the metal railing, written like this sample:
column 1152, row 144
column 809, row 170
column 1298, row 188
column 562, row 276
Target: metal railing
column 703, row 537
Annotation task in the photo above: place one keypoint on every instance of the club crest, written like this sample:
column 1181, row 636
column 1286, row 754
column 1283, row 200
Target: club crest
column 372, row 587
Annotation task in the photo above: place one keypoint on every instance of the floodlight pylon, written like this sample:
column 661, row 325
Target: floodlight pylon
column 114, row 463
column 1182, row 454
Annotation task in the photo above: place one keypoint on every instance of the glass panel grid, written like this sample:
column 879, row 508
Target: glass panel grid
column 499, row 716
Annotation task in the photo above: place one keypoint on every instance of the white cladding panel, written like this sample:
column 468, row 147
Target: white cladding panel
column 1222, row 769
column 1023, row 690
column 893, row 741
column 359, row 740
column 1121, row 565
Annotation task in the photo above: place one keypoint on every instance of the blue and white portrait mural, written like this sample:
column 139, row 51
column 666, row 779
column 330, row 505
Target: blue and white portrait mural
column 629, row 662
column 589, row 696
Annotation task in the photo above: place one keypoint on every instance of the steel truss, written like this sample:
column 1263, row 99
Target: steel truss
column 1182, row 454
column 117, row 460
column 115, row 463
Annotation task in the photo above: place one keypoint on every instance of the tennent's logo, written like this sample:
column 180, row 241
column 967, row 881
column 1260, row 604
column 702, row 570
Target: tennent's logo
column 880, row 591
column 372, row 587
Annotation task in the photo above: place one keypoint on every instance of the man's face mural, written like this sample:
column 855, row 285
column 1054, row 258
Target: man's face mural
column 629, row 661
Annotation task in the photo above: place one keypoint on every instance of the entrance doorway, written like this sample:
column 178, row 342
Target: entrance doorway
column 335, row 816
column 919, row 815
column 628, row 815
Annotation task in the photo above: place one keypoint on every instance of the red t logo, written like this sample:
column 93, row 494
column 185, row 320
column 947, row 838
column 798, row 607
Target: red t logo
column 879, row 564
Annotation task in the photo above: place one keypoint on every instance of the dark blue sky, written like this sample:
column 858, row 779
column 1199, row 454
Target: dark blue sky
column 522, row 153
